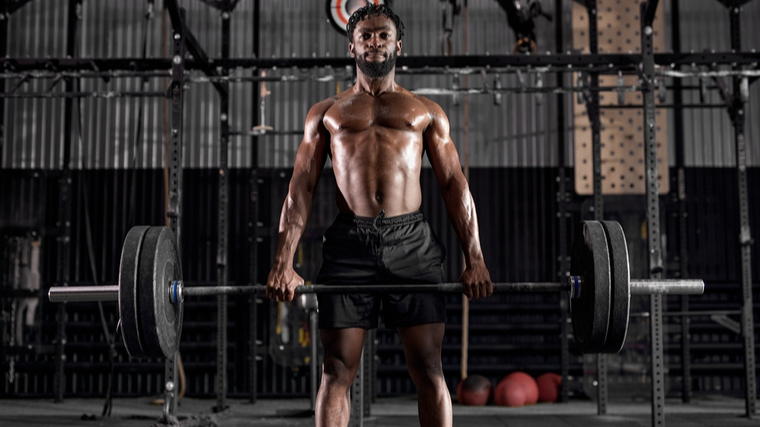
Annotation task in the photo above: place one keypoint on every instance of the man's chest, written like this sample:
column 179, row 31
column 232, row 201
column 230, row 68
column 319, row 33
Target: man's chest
column 391, row 112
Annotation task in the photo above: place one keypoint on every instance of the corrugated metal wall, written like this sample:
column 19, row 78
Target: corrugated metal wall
column 708, row 134
column 518, row 133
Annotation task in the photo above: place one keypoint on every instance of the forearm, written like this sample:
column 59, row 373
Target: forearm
column 460, row 208
column 293, row 219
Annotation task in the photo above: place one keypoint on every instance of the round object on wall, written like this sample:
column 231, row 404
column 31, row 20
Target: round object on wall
column 338, row 11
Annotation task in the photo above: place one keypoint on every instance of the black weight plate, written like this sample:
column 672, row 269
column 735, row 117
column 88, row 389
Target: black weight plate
column 621, row 288
column 591, row 311
column 129, row 305
column 159, row 266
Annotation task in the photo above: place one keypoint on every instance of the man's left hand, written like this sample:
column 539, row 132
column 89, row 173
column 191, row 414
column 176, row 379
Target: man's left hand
column 477, row 281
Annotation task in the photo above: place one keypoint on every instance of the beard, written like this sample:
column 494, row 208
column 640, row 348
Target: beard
column 375, row 70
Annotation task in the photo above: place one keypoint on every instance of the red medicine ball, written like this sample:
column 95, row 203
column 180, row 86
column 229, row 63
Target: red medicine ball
column 516, row 389
column 474, row 390
column 549, row 385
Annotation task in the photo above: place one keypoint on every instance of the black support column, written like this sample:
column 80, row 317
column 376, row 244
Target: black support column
column 647, row 75
column 740, row 92
column 4, row 321
column 64, row 207
column 223, row 224
column 592, row 108
column 562, row 214
column 683, row 254
column 253, row 221
column 4, row 16
column 174, row 211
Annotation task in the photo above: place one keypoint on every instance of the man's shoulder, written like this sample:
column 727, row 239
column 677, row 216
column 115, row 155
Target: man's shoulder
column 321, row 107
column 431, row 105
column 433, row 108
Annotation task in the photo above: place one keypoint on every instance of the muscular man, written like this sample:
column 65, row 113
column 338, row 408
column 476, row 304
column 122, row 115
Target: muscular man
column 376, row 133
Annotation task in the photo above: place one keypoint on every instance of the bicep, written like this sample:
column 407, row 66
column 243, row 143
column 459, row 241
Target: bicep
column 442, row 152
column 312, row 153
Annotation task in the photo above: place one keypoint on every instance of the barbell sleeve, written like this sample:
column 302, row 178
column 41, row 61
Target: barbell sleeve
column 83, row 293
column 668, row 286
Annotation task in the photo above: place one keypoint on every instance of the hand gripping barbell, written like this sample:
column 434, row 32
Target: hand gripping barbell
column 151, row 293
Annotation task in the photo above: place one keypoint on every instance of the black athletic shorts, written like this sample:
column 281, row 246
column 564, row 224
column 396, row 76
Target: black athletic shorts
column 396, row 250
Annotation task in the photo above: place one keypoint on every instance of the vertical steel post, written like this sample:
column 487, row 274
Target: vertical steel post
column 562, row 214
column 174, row 211
column 222, row 223
column 592, row 106
column 745, row 237
column 64, row 207
column 3, row 51
column 683, row 254
column 653, row 208
column 314, row 362
column 357, row 394
column 253, row 223
column 368, row 384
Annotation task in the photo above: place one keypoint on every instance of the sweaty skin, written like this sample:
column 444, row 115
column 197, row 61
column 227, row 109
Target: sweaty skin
column 376, row 133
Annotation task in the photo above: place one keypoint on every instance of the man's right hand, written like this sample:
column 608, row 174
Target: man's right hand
column 282, row 282
column 477, row 281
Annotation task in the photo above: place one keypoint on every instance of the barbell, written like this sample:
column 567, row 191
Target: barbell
column 151, row 293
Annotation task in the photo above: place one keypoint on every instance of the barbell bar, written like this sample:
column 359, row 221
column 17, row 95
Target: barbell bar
column 151, row 293
column 178, row 291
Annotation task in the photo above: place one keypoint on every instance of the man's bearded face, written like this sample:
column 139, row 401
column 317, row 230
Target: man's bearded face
column 376, row 69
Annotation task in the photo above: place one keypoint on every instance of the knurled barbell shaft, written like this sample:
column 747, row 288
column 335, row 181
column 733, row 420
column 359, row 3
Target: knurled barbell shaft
column 638, row 287
column 376, row 289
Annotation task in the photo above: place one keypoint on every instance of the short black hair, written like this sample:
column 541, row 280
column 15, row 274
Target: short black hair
column 374, row 10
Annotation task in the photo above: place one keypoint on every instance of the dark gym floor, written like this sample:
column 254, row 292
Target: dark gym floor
column 717, row 411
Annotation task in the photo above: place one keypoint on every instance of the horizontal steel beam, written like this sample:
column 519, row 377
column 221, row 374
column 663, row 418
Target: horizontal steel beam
column 561, row 61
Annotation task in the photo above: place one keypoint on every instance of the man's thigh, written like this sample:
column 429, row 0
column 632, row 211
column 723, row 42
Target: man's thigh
column 343, row 349
column 422, row 343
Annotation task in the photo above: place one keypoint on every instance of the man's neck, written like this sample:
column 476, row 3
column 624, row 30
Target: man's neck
column 376, row 86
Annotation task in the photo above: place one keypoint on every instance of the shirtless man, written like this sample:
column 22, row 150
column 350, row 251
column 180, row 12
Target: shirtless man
column 376, row 133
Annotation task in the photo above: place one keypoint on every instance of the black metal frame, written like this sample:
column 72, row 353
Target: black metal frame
column 64, row 211
column 253, row 224
column 592, row 110
column 558, row 62
column 174, row 210
column 223, row 210
column 736, row 111
column 683, row 255
column 563, row 197
column 647, row 10
column 3, row 52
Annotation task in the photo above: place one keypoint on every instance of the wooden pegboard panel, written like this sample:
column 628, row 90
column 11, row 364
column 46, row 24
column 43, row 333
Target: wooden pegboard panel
column 622, row 133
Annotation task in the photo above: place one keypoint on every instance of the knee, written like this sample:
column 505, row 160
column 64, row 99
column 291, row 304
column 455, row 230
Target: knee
column 337, row 372
column 426, row 370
